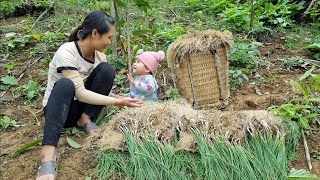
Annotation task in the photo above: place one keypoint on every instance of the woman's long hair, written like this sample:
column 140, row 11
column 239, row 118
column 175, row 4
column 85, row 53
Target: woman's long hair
column 98, row 20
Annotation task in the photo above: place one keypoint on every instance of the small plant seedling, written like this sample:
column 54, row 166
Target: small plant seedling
column 32, row 91
column 172, row 93
column 6, row 122
column 237, row 78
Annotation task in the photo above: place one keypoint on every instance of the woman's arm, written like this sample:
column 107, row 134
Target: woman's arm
column 90, row 97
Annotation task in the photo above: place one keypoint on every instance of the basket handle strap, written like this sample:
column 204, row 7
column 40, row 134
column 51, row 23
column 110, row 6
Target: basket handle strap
column 195, row 102
column 217, row 62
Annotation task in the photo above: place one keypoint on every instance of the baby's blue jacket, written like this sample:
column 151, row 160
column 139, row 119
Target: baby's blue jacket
column 144, row 86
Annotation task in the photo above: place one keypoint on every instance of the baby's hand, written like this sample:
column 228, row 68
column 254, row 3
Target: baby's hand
column 140, row 100
column 130, row 78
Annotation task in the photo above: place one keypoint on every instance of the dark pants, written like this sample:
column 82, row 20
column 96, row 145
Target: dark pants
column 62, row 111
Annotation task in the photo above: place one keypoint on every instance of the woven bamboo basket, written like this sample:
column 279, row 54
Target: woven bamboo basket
column 200, row 67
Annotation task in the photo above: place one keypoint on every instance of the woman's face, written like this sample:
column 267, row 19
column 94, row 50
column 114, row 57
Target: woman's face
column 100, row 42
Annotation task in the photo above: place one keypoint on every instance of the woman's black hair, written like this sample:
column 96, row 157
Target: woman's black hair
column 98, row 20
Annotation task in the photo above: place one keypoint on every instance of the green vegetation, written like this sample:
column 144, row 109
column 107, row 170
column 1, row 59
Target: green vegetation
column 304, row 110
column 258, row 157
column 6, row 122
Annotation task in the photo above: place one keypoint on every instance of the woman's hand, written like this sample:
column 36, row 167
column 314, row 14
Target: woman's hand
column 126, row 101
column 130, row 78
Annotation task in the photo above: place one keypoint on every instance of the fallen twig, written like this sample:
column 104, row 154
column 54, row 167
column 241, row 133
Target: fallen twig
column 38, row 123
column 20, row 75
column 164, row 79
column 41, row 15
column 306, row 150
column 313, row 62
column 2, row 94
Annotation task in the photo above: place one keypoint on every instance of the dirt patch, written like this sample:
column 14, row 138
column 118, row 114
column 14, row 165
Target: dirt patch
column 300, row 162
column 74, row 164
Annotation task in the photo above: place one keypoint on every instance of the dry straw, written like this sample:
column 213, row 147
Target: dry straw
column 177, row 120
column 197, row 41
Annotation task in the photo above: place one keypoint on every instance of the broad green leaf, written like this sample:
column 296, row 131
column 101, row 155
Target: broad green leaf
column 9, row 65
column 314, row 99
column 304, row 88
column 72, row 143
column 306, row 74
column 36, row 36
column 245, row 77
column 316, row 77
column 295, row 85
column 312, row 115
column 119, row 23
column 142, row 4
column 4, row 87
column 316, row 86
column 300, row 86
column 120, row 3
column 10, row 35
column 11, row 44
column 10, row 80
column 280, row 20
column 313, row 46
column 88, row 178
column 304, row 122
column 75, row 130
column 31, row 95
column 122, row 61
column 301, row 174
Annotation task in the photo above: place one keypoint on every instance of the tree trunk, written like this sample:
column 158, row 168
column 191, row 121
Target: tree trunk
column 114, row 38
column 128, row 37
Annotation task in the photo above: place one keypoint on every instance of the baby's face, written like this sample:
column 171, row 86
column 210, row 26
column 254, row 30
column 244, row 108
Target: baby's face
column 139, row 68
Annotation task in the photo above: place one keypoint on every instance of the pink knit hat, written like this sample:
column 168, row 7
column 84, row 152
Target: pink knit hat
column 151, row 59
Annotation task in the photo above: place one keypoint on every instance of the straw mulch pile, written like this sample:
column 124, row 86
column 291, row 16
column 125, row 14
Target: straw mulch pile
column 197, row 41
column 176, row 120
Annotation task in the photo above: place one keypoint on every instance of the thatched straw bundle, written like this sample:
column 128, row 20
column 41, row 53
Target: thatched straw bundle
column 176, row 120
column 197, row 41
column 198, row 61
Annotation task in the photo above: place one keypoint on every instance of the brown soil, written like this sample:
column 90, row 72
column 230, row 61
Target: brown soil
column 300, row 162
column 76, row 164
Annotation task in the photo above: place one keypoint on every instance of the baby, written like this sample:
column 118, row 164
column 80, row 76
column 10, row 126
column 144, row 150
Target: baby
column 144, row 86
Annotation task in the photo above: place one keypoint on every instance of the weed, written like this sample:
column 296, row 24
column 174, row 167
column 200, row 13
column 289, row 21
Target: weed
column 32, row 91
column 303, row 110
column 292, row 62
column 7, row 82
column 6, row 122
column 117, row 63
column 119, row 80
column 9, row 67
column 172, row 93
column 244, row 55
column 316, row 48
column 237, row 78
